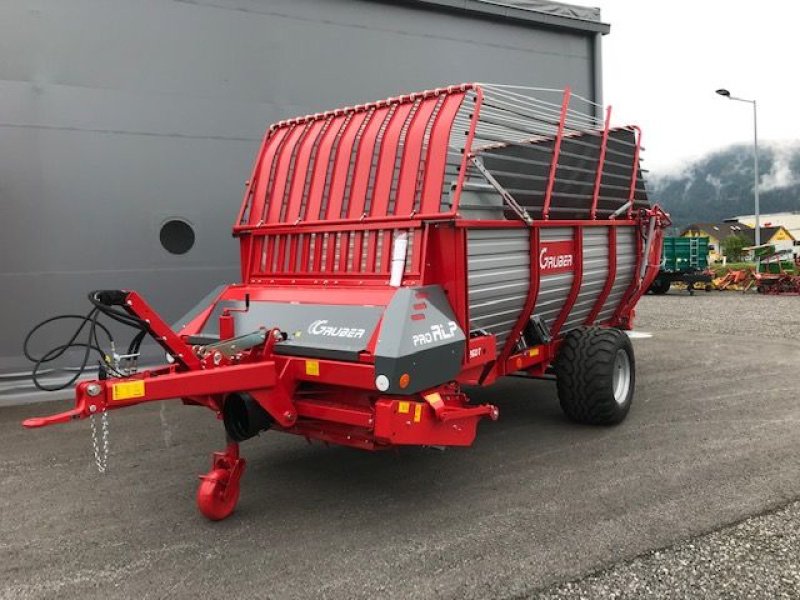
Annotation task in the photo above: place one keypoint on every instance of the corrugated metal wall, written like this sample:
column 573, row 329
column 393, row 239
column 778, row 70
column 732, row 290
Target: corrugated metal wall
column 116, row 116
column 498, row 267
column 626, row 264
column 595, row 274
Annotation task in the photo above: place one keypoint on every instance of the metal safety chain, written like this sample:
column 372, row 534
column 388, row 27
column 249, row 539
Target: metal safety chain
column 100, row 446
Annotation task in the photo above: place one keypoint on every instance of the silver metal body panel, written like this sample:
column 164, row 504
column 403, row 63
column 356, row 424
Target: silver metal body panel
column 498, row 274
column 595, row 275
column 553, row 289
column 498, row 264
column 626, row 265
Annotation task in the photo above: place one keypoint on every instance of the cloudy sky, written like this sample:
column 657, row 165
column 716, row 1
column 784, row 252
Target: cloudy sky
column 663, row 60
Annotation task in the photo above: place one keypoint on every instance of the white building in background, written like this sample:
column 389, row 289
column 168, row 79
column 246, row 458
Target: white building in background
column 789, row 220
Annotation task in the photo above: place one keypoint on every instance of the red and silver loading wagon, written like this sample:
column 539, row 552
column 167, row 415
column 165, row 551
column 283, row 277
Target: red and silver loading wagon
column 394, row 252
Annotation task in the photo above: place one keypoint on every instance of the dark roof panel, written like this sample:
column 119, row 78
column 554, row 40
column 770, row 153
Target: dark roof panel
column 540, row 12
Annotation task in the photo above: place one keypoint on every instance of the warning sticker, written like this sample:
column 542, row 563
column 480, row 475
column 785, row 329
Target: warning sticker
column 312, row 368
column 127, row 390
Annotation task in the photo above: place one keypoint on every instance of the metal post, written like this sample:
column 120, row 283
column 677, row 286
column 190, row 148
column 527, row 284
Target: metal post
column 725, row 93
column 755, row 182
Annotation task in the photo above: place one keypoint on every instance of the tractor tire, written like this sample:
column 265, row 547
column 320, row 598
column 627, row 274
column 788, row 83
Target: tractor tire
column 596, row 375
column 660, row 286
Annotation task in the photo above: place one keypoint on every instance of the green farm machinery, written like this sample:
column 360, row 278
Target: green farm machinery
column 683, row 259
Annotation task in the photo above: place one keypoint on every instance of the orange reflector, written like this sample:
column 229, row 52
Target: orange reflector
column 405, row 379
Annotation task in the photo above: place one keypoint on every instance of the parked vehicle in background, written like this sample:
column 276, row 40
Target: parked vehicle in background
column 686, row 260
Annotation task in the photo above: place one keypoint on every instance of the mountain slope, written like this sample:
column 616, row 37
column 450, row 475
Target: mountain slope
column 720, row 185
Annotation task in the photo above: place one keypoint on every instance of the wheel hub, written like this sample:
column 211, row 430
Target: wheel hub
column 621, row 378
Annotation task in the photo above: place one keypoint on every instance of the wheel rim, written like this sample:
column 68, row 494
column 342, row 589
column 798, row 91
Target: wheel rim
column 622, row 376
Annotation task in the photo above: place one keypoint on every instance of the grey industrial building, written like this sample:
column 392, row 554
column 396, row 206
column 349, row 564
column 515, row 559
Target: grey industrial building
column 119, row 117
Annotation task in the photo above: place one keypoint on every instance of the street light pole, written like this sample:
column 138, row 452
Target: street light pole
column 727, row 94
column 755, row 183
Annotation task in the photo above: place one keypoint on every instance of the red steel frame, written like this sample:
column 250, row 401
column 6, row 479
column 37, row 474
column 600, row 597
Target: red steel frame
column 276, row 223
column 327, row 195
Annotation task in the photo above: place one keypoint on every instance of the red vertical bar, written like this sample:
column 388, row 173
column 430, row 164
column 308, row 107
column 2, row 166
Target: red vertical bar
column 246, row 269
column 551, row 180
column 301, row 165
column 372, row 250
column 281, row 175
column 293, row 240
column 635, row 282
column 330, row 252
column 321, row 165
column 530, row 299
column 600, row 164
column 635, row 169
column 416, row 251
column 364, row 159
column 262, row 180
column 358, row 243
column 305, row 254
column 437, row 154
column 257, row 256
column 281, row 253
column 269, row 253
column 462, row 171
column 249, row 193
column 250, row 255
column 342, row 166
column 577, row 280
column 344, row 251
column 316, row 266
column 386, row 161
column 409, row 165
column 612, row 275
column 386, row 251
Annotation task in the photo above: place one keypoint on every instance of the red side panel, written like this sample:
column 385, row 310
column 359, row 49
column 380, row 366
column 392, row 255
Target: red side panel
column 386, row 161
column 342, row 166
column 259, row 195
column 409, row 167
column 437, row 154
column 301, row 165
column 321, row 165
column 275, row 194
column 363, row 167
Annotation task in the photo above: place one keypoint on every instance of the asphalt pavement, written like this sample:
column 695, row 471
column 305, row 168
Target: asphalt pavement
column 712, row 439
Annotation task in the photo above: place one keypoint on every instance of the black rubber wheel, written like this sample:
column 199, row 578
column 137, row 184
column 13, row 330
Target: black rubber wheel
column 596, row 375
column 660, row 286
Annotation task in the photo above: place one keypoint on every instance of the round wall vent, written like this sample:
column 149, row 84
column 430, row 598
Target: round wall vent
column 177, row 236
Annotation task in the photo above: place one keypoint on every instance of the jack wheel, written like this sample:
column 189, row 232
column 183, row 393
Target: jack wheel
column 217, row 495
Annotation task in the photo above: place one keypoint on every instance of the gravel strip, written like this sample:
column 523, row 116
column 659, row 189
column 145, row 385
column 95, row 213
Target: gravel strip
column 722, row 313
column 757, row 558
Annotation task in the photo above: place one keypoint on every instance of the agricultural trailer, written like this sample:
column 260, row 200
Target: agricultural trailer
column 683, row 260
column 391, row 254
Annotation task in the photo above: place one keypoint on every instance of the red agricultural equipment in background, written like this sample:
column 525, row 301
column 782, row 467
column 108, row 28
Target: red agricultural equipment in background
column 394, row 252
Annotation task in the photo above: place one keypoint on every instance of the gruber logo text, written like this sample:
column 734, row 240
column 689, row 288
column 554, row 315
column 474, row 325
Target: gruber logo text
column 557, row 257
column 321, row 327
